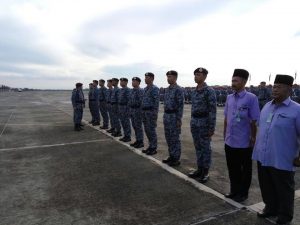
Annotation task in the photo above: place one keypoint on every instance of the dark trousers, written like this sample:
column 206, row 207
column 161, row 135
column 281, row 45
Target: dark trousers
column 239, row 164
column 277, row 190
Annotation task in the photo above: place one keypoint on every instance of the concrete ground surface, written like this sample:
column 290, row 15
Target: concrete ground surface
column 50, row 174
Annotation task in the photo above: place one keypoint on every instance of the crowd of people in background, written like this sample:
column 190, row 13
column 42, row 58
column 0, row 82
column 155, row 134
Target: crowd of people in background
column 272, row 108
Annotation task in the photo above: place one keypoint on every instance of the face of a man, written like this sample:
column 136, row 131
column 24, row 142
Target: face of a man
column 262, row 84
column 123, row 83
column 101, row 83
column 199, row 78
column 109, row 84
column 280, row 91
column 171, row 79
column 238, row 83
column 148, row 80
column 135, row 83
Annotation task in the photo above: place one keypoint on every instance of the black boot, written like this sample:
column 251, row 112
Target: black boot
column 196, row 174
column 133, row 144
column 77, row 127
column 139, row 144
column 111, row 130
column 205, row 176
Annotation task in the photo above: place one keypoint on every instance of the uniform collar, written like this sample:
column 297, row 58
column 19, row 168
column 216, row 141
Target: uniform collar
column 240, row 94
column 286, row 102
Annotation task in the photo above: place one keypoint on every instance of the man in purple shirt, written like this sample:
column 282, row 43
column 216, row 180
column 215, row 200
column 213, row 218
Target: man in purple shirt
column 276, row 150
column 241, row 113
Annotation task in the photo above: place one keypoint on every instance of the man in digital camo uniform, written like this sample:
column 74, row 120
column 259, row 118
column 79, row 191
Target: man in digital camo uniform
column 203, row 123
column 103, row 104
column 150, row 107
column 78, row 105
column 124, row 110
column 135, row 104
column 173, row 111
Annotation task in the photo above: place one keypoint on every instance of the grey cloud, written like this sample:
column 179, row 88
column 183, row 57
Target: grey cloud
column 18, row 44
column 106, row 35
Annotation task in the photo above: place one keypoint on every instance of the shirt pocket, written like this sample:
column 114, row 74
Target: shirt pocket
column 284, row 120
column 244, row 111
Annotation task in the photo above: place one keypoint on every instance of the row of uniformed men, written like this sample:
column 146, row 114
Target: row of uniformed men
column 276, row 147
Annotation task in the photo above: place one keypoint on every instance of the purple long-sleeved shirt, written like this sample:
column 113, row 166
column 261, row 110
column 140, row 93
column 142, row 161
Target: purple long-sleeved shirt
column 277, row 142
column 240, row 110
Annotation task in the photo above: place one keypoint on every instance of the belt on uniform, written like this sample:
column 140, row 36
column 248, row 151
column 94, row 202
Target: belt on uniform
column 122, row 103
column 113, row 103
column 101, row 100
column 135, row 106
column 92, row 100
column 168, row 111
column 147, row 108
column 200, row 114
column 79, row 101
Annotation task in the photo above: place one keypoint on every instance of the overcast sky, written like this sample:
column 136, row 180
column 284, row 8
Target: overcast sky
column 54, row 44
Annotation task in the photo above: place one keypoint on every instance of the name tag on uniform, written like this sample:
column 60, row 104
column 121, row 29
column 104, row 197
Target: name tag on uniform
column 269, row 119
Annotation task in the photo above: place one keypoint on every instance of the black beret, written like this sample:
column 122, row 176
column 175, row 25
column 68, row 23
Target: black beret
column 78, row 84
column 137, row 79
column 201, row 70
column 123, row 79
column 101, row 80
column 90, row 83
column 109, row 80
column 172, row 72
column 115, row 79
column 284, row 79
column 241, row 73
column 149, row 74
column 95, row 81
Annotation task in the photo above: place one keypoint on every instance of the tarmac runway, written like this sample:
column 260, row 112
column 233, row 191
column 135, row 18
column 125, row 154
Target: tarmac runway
column 50, row 174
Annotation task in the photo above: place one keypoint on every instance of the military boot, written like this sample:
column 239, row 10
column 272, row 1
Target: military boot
column 197, row 173
column 204, row 176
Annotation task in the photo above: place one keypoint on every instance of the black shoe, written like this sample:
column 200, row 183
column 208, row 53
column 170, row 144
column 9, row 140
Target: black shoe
column 151, row 152
column 205, row 176
column 96, row 124
column 167, row 160
column 133, row 144
column 283, row 222
column 146, row 150
column 195, row 174
column 230, row 195
column 111, row 130
column 121, row 139
column 117, row 134
column 90, row 122
column 104, row 127
column 240, row 198
column 266, row 214
column 126, row 139
column 82, row 125
column 139, row 145
column 77, row 127
column 174, row 163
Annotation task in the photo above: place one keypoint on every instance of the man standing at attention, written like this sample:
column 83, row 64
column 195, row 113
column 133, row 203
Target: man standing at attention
column 203, row 123
column 123, row 99
column 103, row 104
column 276, row 150
column 173, row 110
column 241, row 113
column 115, row 108
column 135, row 103
column 150, row 107
column 78, row 105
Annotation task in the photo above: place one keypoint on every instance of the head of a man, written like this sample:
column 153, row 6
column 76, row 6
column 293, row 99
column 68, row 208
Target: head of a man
column 101, row 83
column 123, row 82
column 282, row 87
column 239, row 79
column 149, row 78
column 200, row 75
column 172, row 77
column 136, row 82
column 115, row 82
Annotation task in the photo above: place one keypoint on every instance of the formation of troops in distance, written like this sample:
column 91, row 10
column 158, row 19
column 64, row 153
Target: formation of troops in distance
column 274, row 145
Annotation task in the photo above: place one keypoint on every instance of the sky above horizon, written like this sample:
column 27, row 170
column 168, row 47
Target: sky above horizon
column 54, row 44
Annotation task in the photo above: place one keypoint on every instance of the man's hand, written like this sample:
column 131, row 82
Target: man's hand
column 252, row 142
column 211, row 133
column 297, row 162
column 178, row 123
